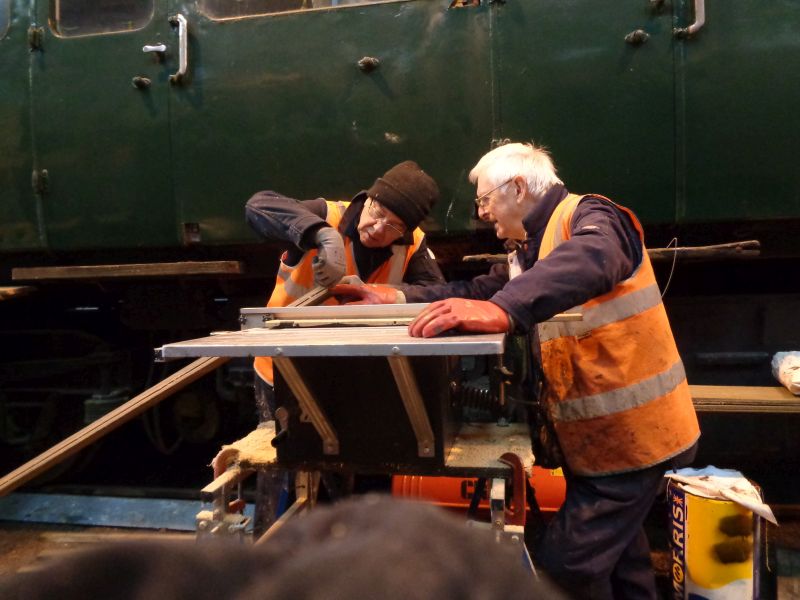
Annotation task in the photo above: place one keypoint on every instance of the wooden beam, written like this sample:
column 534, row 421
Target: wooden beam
column 173, row 269
column 744, row 399
column 232, row 476
column 746, row 249
column 109, row 422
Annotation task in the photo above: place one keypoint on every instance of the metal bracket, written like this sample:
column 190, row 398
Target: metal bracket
column 368, row 64
column 637, row 37
column 515, row 513
column 158, row 356
column 40, row 181
column 699, row 21
column 412, row 399
column 35, row 37
column 308, row 404
column 141, row 82
column 497, row 504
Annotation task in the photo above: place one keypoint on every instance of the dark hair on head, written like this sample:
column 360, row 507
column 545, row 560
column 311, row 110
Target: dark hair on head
column 362, row 548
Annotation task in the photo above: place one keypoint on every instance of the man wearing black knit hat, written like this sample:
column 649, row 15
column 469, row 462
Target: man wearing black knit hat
column 375, row 237
column 407, row 191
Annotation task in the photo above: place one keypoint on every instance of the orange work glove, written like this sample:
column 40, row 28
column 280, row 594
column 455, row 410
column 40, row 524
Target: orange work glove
column 365, row 293
column 475, row 316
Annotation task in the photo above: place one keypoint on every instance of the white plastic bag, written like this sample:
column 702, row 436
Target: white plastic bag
column 723, row 484
column 786, row 369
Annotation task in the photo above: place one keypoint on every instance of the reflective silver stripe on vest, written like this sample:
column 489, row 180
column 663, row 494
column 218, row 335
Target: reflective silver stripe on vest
column 616, row 401
column 293, row 289
column 351, row 260
column 284, row 272
column 558, row 238
column 342, row 208
column 608, row 312
column 396, row 264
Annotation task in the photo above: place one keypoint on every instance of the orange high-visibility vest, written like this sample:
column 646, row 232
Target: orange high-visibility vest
column 293, row 282
column 617, row 390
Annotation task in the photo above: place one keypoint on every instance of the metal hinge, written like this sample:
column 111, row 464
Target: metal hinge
column 40, row 181
column 35, row 37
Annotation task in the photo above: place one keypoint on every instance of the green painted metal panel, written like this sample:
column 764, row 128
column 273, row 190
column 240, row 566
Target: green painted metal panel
column 739, row 89
column 19, row 223
column 567, row 79
column 104, row 143
column 700, row 130
column 278, row 102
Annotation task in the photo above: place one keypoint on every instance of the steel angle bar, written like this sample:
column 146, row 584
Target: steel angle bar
column 347, row 314
column 308, row 404
column 497, row 504
column 264, row 316
column 338, row 322
column 412, row 400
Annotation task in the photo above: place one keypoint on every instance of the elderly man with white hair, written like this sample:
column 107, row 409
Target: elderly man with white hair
column 616, row 393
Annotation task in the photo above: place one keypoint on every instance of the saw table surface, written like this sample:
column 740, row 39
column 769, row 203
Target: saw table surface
column 333, row 341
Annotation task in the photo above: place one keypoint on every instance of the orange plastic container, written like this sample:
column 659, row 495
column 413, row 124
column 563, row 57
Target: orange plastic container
column 456, row 492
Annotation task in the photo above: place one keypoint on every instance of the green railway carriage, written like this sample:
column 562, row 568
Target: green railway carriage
column 133, row 131
column 104, row 146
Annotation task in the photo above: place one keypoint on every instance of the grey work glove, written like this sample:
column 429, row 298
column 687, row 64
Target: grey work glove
column 352, row 280
column 329, row 264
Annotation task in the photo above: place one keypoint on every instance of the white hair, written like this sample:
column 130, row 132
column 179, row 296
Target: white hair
column 510, row 160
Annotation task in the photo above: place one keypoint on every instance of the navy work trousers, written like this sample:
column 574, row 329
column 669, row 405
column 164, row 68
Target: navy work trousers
column 595, row 546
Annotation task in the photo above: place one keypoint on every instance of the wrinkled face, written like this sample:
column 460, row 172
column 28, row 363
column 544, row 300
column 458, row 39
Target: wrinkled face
column 503, row 206
column 378, row 226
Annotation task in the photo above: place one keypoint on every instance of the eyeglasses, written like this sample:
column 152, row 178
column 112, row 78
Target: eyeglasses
column 376, row 214
column 482, row 200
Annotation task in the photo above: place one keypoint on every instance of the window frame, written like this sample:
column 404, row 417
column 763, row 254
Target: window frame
column 202, row 10
column 53, row 22
column 5, row 13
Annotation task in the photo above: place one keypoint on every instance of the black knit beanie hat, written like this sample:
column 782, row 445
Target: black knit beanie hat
column 407, row 191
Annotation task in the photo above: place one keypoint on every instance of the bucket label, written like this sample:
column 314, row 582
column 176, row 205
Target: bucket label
column 711, row 548
column 677, row 501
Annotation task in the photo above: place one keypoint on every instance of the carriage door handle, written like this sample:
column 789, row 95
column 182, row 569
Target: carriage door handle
column 699, row 21
column 155, row 48
column 183, row 53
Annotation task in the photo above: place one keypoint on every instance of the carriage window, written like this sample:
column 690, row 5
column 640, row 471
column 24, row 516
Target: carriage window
column 5, row 17
column 231, row 9
column 72, row 18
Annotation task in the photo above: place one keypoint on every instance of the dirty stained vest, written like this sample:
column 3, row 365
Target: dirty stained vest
column 617, row 390
column 295, row 281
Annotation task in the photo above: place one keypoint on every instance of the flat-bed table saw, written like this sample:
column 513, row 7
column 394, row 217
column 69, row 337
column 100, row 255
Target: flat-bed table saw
column 355, row 392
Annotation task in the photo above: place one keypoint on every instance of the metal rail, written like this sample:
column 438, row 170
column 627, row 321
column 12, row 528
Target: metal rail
column 745, row 249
